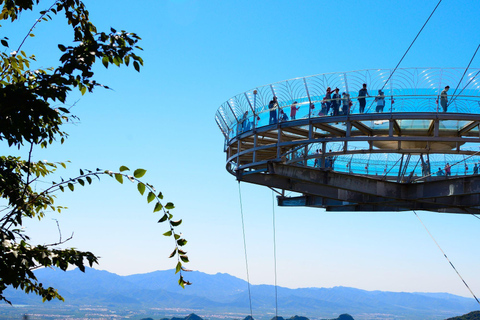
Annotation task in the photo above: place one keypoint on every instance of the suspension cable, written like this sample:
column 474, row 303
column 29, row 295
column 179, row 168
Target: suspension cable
column 245, row 249
column 468, row 83
column 411, row 44
column 446, row 257
column 460, row 81
column 275, row 255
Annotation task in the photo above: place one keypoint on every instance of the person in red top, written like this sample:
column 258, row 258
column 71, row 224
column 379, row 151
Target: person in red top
column 447, row 170
column 293, row 110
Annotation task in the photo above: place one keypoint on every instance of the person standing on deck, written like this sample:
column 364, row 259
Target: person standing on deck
column 346, row 103
column 293, row 110
column 444, row 98
column 448, row 171
column 361, row 97
column 272, row 106
column 380, row 100
column 328, row 100
column 336, row 101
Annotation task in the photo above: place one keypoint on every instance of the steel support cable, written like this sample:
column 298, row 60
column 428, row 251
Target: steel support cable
column 450, row 262
column 468, row 83
column 411, row 44
column 275, row 255
column 245, row 249
column 458, row 85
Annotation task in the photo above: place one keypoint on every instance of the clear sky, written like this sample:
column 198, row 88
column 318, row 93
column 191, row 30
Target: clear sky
column 197, row 55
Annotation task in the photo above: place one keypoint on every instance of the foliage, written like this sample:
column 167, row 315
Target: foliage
column 28, row 120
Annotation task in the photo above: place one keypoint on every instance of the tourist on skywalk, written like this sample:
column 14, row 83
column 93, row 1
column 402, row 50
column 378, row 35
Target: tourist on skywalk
column 346, row 103
column 282, row 116
column 272, row 106
column 245, row 123
column 323, row 110
column 336, row 101
column 380, row 100
column 475, row 169
column 293, row 110
column 448, row 171
column 444, row 98
column 440, row 172
column 328, row 100
column 362, row 97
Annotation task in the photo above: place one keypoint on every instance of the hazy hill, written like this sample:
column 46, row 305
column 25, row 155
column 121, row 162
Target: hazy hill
column 221, row 293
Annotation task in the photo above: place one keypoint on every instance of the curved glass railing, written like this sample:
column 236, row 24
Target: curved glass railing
column 408, row 90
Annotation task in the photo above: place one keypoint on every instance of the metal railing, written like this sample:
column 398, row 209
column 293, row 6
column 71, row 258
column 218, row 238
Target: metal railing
column 408, row 90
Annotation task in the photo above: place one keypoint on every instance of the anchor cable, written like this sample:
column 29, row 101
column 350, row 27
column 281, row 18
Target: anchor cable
column 275, row 255
column 245, row 249
column 450, row 262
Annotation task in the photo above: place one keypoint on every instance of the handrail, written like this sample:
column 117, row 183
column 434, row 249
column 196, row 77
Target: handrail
column 409, row 90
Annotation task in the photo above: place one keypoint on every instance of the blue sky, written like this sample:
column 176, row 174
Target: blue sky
column 197, row 55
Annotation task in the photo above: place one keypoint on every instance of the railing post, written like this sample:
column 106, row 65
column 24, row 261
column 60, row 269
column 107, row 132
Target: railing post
column 309, row 100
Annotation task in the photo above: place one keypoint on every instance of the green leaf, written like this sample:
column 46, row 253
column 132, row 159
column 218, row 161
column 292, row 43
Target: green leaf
column 169, row 206
column 136, row 66
column 81, row 172
column 70, row 186
column 105, row 61
column 178, row 267
column 168, row 233
column 123, row 168
column 181, row 242
column 158, row 207
column 139, row 173
column 176, row 236
column 119, row 177
column 184, row 258
column 164, row 218
column 150, row 197
column 4, row 43
column 62, row 47
column 141, row 188
column 81, row 182
column 176, row 223
column 181, row 282
column 61, row 188
column 173, row 253
column 89, row 180
column 160, row 195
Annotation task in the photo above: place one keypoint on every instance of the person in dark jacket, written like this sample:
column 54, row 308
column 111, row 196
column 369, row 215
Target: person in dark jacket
column 362, row 97
column 272, row 106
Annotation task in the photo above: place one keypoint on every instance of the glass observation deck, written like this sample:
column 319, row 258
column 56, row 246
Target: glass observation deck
column 405, row 138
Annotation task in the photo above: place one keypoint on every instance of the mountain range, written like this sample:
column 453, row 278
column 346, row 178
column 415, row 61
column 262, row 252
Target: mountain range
column 222, row 294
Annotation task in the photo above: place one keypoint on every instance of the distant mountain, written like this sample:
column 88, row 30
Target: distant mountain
column 222, row 293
